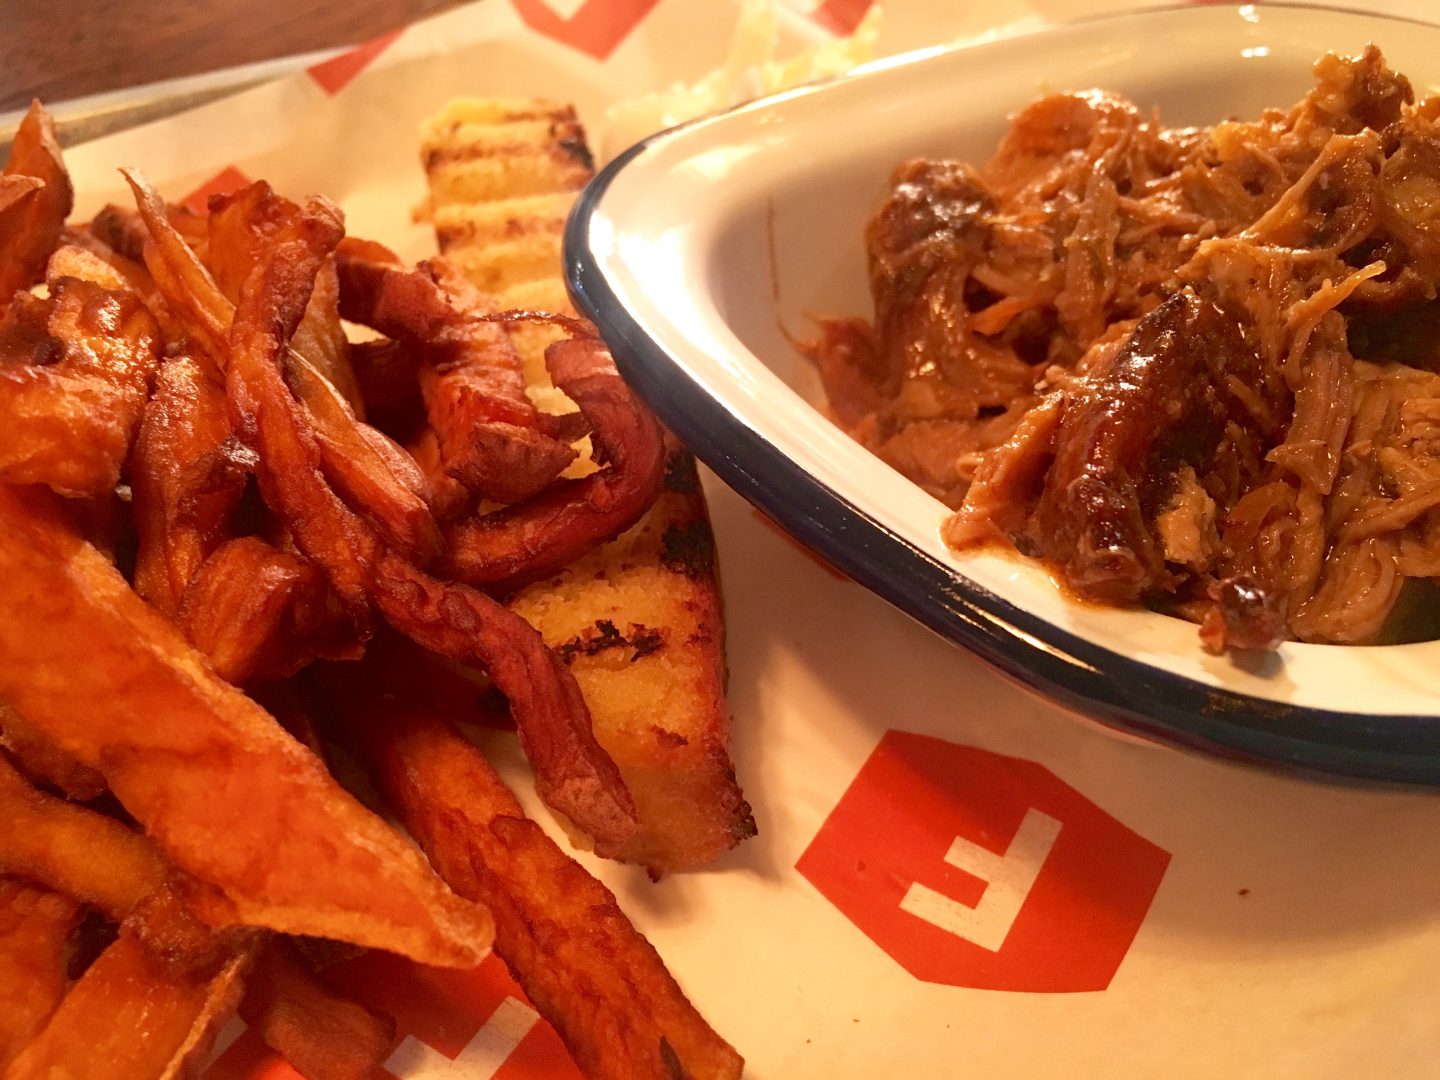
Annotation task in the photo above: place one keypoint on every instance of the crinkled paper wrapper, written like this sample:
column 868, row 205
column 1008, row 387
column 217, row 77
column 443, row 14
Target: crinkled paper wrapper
column 952, row 877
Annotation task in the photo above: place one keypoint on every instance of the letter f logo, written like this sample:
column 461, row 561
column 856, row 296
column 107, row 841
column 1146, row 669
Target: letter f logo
column 1008, row 879
column 974, row 869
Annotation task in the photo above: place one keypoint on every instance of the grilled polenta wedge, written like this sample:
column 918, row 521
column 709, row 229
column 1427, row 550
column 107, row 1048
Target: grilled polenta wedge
column 639, row 620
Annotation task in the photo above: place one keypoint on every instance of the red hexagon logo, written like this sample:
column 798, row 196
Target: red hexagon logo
column 974, row 869
column 594, row 27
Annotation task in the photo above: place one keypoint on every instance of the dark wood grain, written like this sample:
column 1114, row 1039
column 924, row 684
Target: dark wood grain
column 58, row 49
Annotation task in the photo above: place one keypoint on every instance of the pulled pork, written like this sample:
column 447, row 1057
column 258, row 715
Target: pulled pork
column 1195, row 369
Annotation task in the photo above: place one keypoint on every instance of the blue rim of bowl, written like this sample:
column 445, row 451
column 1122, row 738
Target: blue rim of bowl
column 1070, row 671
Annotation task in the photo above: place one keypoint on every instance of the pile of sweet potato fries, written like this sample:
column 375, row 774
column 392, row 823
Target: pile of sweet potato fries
column 214, row 572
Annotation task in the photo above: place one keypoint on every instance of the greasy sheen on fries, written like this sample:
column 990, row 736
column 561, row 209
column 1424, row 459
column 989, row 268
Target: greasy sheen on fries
column 130, row 1017
column 580, row 961
column 115, row 685
column 35, row 927
column 91, row 857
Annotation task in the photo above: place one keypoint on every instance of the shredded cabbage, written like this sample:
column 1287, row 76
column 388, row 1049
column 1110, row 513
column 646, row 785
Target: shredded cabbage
column 750, row 71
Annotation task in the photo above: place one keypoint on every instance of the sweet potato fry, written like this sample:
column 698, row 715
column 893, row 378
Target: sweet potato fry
column 376, row 474
column 262, row 408
column 30, row 228
column 115, row 685
column 322, row 340
column 448, row 497
column 388, row 374
column 585, row 967
column 73, row 850
column 490, row 434
column 370, row 470
column 35, row 927
column 167, row 923
column 85, row 261
column 70, row 408
column 237, row 226
column 94, row 858
column 359, row 460
column 132, row 1018
column 15, row 191
column 503, row 550
column 188, row 475
column 575, row 775
column 124, row 231
column 324, row 1035
column 261, row 613
column 121, row 230
column 82, row 256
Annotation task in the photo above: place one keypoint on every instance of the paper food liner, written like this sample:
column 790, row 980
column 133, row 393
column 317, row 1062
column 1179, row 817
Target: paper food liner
column 952, row 877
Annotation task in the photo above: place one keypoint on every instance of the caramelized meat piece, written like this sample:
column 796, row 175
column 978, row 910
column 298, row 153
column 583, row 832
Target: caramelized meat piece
column 935, row 383
column 923, row 244
column 1164, row 402
column 1360, row 92
column 1242, row 615
column 849, row 368
column 1408, row 203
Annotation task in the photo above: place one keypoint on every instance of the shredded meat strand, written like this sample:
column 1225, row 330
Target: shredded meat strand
column 1189, row 368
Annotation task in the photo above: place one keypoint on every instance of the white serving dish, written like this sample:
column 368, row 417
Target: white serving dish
column 700, row 249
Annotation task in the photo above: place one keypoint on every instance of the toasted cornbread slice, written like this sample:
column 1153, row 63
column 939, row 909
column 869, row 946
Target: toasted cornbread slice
column 639, row 620
column 483, row 152
column 502, row 176
column 526, row 218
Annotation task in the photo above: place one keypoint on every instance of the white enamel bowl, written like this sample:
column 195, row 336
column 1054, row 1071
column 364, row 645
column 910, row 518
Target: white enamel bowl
column 698, row 250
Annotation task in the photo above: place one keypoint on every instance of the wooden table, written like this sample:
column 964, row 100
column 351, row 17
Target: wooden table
column 60, row 49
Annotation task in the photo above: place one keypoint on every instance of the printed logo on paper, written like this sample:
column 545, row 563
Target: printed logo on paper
column 840, row 17
column 974, row 869
column 594, row 27
column 335, row 74
column 453, row 1025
